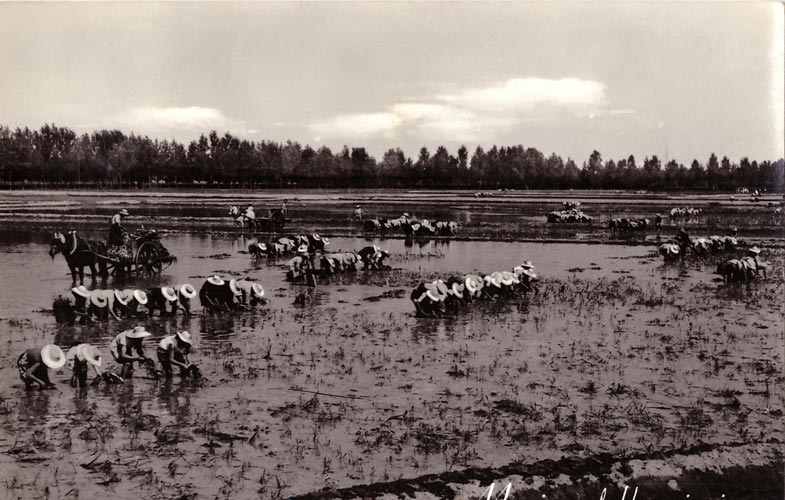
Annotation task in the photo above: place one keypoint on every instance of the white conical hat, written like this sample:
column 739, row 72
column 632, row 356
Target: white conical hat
column 257, row 290
column 138, row 333
column 87, row 352
column 140, row 297
column 81, row 290
column 215, row 280
column 184, row 336
column 186, row 291
column 168, row 293
column 233, row 287
column 120, row 297
column 52, row 356
column 98, row 299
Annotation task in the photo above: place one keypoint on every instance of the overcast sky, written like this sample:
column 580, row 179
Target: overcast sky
column 676, row 80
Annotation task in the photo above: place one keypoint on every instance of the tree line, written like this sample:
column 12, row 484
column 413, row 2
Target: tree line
column 56, row 156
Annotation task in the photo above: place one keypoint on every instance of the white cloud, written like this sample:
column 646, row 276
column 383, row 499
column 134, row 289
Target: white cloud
column 357, row 125
column 180, row 119
column 473, row 114
column 525, row 94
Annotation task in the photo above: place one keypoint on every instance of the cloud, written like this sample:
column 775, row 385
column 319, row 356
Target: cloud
column 473, row 114
column 526, row 94
column 179, row 119
column 358, row 125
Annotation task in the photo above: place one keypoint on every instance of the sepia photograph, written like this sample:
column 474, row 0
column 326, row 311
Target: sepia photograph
column 422, row 250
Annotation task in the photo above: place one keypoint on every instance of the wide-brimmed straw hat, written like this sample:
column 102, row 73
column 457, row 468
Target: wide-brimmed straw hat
column 120, row 297
column 233, row 287
column 457, row 289
column 215, row 280
column 302, row 249
column 81, row 290
column 527, row 265
column 493, row 279
column 262, row 246
column 86, row 352
column 442, row 287
column 138, row 333
column 316, row 237
column 185, row 336
column 257, row 290
column 186, row 290
column 509, row 278
column 169, row 293
column 754, row 250
column 326, row 241
column 140, row 296
column 52, row 356
column 98, row 299
column 432, row 291
column 124, row 212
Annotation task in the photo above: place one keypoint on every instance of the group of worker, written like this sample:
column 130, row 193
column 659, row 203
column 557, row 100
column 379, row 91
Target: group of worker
column 126, row 348
column 99, row 305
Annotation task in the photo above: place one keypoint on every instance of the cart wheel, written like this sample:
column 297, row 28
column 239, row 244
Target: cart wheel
column 148, row 259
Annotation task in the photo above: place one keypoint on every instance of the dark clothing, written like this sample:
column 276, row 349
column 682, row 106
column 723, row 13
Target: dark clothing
column 29, row 358
column 79, row 373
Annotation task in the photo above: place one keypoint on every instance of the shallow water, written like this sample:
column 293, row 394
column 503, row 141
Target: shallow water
column 428, row 393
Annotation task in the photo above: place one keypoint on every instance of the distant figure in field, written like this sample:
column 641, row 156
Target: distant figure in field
column 284, row 209
column 358, row 213
column 116, row 230
column 250, row 214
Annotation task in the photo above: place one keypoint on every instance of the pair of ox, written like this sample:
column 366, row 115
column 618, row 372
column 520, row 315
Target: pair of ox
column 288, row 245
column 433, row 299
column 218, row 294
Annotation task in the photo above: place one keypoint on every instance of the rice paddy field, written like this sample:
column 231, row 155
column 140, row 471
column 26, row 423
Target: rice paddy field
column 623, row 370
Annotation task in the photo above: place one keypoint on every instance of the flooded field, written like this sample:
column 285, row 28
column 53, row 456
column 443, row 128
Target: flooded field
column 618, row 353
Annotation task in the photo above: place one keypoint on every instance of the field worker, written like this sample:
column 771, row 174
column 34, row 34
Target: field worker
column 251, row 293
column 80, row 358
column 658, row 222
column 34, row 365
column 133, row 299
column 105, row 303
column 358, row 213
column 173, row 350
column 98, row 305
column 162, row 298
column 298, row 265
column 185, row 293
column 78, row 300
column 231, row 295
column 249, row 213
column 754, row 252
column 123, row 347
column 116, row 229
column 284, row 209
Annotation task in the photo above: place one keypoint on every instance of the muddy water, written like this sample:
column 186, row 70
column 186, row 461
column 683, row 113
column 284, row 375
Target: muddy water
column 618, row 353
